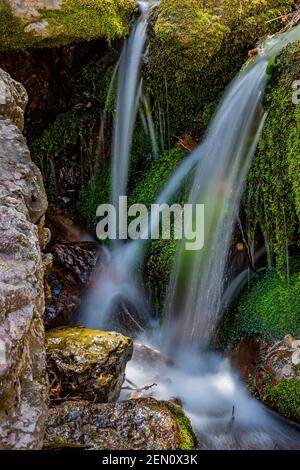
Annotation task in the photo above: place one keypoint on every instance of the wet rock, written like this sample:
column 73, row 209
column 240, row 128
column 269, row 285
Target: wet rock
column 80, row 258
column 247, row 357
column 86, row 364
column 73, row 265
column 145, row 424
column 23, row 383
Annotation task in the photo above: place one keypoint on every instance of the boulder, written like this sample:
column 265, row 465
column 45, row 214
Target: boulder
column 143, row 424
column 86, row 364
column 32, row 23
column 78, row 257
column 23, row 383
column 277, row 380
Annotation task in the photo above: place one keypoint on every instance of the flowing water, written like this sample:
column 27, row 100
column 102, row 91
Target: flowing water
column 129, row 91
column 222, row 412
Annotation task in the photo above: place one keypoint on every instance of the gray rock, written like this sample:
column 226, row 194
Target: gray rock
column 23, row 383
column 30, row 9
column 13, row 99
column 143, row 424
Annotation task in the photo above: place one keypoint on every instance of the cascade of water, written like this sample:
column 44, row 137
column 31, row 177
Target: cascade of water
column 194, row 300
column 204, row 382
column 129, row 89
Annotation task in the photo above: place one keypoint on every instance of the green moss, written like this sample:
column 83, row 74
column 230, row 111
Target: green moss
column 91, row 19
column 285, row 397
column 270, row 309
column 272, row 197
column 66, row 143
column 197, row 47
column 148, row 188
column 188, row 440
column 76, row 20
column 161, row 252
column 96, row 192
column 12, row 35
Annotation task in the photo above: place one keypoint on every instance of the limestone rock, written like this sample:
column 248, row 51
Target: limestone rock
column 31, row 9
column 23, row 383
column 13, row 99
column 89, row 364
column 145, row 424
column 39, row 28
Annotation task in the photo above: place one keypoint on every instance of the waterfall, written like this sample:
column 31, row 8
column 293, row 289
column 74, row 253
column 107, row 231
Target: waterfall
column 209, row 390
column 194, row 299
column 128, row 96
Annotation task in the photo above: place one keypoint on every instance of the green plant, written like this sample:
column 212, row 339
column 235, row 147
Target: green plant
column 67, row 142
column 272, row 197
column 96, row 192
column 270, row 309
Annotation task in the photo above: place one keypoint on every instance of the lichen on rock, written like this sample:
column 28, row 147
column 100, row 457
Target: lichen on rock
column 86, row 364
column 143, row 424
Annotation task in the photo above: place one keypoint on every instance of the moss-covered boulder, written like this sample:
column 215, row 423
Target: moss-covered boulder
column 143, row 424
column 86, row 364
column 32, row 23
column 197, row 47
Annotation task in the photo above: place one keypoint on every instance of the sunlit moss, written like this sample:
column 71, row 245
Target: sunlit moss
column 197, row 47
column 285, row 397
column 76, row 20
column 270, row 310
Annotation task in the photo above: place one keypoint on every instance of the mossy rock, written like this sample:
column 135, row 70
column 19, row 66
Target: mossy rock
column 142, row 424
column 269, row 309
column 49, row 24
column 197, row 47
column 272, row 198
column 86, row 364
column 285, row 397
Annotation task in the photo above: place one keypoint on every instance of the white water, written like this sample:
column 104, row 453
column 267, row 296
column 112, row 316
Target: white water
column 203, row 381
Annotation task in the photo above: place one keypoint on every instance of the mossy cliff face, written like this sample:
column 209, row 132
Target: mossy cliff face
column 88, row 364
column 143, row 424
column 272, row 197
column 197, row 47
column 40, row 23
